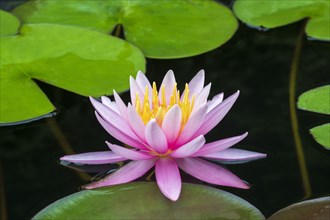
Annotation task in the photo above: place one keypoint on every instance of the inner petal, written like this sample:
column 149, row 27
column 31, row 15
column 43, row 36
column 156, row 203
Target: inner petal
column 158, row 105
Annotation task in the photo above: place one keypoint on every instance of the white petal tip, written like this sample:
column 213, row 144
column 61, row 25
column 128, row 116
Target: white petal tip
column 202, row 71
column 173, row 198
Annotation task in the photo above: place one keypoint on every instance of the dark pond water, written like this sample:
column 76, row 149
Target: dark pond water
column 257, row 63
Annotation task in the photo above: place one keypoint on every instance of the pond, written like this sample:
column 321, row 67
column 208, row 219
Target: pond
column 255, row 62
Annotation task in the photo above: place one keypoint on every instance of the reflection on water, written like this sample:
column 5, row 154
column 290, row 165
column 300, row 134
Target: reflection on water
column 101, row 169
column 259, row 28
column 49, row 115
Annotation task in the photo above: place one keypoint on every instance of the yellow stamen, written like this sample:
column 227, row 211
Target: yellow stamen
column 155, row 107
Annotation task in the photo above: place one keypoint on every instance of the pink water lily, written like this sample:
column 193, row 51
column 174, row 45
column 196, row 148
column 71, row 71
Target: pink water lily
column 166, row 130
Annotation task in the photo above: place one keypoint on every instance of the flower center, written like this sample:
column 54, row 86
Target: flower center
column 157, row 107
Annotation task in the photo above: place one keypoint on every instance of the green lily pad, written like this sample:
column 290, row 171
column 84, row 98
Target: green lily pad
column 9, row 24
column 143, row 200
column 161, row 29
column 322, row 135
column 316, row 100
column 315, row 209
column 276, row 13
column 79, row 60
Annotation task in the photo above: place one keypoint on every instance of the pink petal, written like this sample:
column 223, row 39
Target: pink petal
column 192, row 125
column 172, row 124
column 211, row 173
column 168, row 178
column 135, row 90
column 202, row 97
column 127, row 173
column 136, row 122
column 189, row 148
column 142, row 82
column 112, row 117
column 219, row 145
column 196, row 84
column 128, row 153
column 169, row 82
column 101, row 157
column 234, row 156
column 216, row 100
column 156, row 137
column 213, row 117
column 107, row 102
column 119, row 135
column 120, row 105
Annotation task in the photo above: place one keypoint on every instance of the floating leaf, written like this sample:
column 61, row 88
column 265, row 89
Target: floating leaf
column 315, row 209
column 161, row 29
column 322, row 135
column 9, row 24
column 79, row 60
column 143, row 200
column 276, row 13
column 316, row 100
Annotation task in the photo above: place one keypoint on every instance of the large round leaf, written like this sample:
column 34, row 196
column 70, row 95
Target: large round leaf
column 9, row 24
column 79, row 60
column 316, row 100
column 275, row 13
column 315, row 209
column 161, row 29
column 322, row 135
column 143, row 200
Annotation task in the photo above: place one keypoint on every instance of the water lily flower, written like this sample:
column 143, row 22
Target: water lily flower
column 166, row 129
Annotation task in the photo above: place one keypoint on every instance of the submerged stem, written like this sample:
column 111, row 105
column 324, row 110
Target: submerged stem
column 293, row 113
column 118, row 30
column 148, row 178
column 3, row 208
column 63, row 142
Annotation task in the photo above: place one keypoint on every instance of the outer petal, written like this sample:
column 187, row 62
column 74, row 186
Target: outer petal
column 101, row 157
column 135, row 90
column 107, row 102
column 172, row 124
column 210, row 172
column 202, row 97
column 219, row 145
column 119, row 135
column 213, row 117
column 113, row 118
column 127, row 173
column 128, row 153
column 189, row 148
column 168, row 178
column 169, row 82
column 196, row 84
column 156, row 137
column 234, row 156
column 136, row 122
column 216, row 100
column 120, row 105
column 193, row 124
